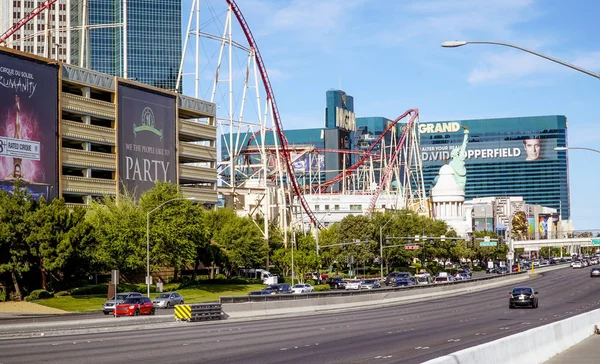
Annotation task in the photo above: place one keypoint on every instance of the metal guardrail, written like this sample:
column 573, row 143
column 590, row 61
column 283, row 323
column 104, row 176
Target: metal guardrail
column 198, row 312
column 340, row 293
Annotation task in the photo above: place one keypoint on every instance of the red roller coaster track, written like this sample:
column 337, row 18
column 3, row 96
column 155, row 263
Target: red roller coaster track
column 291, row 177
column 32, row 14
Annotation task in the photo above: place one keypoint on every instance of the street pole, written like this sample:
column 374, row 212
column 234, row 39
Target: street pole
column 148, row 253
column 293, row 243
column 454, row 44
column 381, row 250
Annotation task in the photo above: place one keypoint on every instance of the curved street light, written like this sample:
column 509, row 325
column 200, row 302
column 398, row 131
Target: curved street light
column 458, row 43
column 148, row 237
column 582, row 148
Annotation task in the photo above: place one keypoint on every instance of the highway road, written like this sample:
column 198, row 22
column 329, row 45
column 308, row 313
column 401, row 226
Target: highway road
column 410, row 333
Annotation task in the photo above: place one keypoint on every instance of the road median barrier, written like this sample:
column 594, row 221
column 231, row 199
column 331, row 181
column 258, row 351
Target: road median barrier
column 291, row 304
column 198, row 312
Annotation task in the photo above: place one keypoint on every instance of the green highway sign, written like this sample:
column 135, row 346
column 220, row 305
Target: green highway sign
column 596, row 241
column 488, row 243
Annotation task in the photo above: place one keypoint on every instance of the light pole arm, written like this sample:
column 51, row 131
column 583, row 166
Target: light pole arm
column 461, row 43
column 582, row 148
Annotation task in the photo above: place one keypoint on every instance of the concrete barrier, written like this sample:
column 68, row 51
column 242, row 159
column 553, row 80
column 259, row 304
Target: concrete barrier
column 296, row 304
column 375, row 298
column 536, row 345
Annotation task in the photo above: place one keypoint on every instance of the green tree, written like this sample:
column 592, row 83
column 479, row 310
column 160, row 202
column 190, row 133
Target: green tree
column 175, row 228
column 239, row 239
column 15, row 255
column 119, row 228
column 48, row 239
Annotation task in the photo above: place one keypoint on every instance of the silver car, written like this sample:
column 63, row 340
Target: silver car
column 167, row 300
column 108, row 306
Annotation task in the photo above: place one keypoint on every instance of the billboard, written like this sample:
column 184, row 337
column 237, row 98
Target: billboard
column 526, row 150
column 488, row 142
column 28, row 125
column 147, row 145
column 307, row 162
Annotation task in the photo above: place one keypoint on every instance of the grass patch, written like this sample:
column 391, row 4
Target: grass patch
column 195, row 294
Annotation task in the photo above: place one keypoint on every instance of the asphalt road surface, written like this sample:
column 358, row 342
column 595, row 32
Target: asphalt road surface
column 410, row 333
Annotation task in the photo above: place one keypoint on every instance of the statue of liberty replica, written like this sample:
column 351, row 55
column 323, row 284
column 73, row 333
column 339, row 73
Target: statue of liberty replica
column 458, row 155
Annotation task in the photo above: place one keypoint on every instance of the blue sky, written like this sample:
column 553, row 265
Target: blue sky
column 387, row 55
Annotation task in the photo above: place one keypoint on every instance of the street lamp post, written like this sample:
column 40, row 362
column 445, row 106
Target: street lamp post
column 457, row 43
column 381, row 245
column 148, row 237
column 582, row 148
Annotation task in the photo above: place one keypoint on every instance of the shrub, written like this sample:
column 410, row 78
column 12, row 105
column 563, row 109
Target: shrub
column 62, row 293
column 90, row 290
column 39, row 294
column 322, row 287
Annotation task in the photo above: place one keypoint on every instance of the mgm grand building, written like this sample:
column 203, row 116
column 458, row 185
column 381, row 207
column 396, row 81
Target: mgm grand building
column 74, row 133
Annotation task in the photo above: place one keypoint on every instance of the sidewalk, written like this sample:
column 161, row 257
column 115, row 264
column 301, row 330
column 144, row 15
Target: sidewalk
column 586, row 352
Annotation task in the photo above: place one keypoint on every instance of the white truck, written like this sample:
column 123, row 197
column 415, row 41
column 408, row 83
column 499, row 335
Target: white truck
column 266, row 277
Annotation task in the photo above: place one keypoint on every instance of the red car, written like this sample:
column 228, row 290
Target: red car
column 135, row 306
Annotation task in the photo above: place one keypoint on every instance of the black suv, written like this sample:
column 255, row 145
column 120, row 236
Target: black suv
column 336, row 282
column 280, row 288
column 391, row 278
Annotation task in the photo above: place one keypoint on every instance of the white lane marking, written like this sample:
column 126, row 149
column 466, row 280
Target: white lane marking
column 283, row 349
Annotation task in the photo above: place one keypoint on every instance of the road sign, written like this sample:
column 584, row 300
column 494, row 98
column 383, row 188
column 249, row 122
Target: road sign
column 488, row 243
column 486, row 239
column 411, row 247
column 510, row 255
column 596, row 241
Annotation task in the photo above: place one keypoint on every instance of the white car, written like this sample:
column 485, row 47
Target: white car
column 353, row 284
column 302, row 288
column 370, row 284
column 576, row 264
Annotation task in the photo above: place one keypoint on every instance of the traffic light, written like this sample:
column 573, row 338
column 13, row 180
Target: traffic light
column 499, row 241
column 473, row 241
column 453, row 241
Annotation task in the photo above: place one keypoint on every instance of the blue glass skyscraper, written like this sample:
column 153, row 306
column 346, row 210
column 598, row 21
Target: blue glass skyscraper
column 154, row 40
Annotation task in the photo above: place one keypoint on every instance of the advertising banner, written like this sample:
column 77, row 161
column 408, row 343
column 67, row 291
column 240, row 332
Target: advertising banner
column 509, row 142
column 543, row 221
column 146, row 138
column 526, row 150
column 307, row 162
column 531, row 227
column 28, row 125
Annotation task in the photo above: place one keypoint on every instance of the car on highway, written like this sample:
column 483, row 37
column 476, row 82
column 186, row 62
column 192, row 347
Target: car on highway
column 167, row 300
column 260, row 293
column 577, row 264
column 391, row 278
column 403, row 282
column 595, row 272
column 108, row 307
column 336, row 282
column 462, row 276
column 135, row 306
column 280, row 288
column 302, row 288
column 370, row 284
column 353, row 284
column 502, row 270
column 523, row 296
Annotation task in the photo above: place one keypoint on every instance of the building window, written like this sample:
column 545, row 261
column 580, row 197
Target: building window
column 336, row 207
column 355, row 207
column 326, row 207
column 317, row 207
